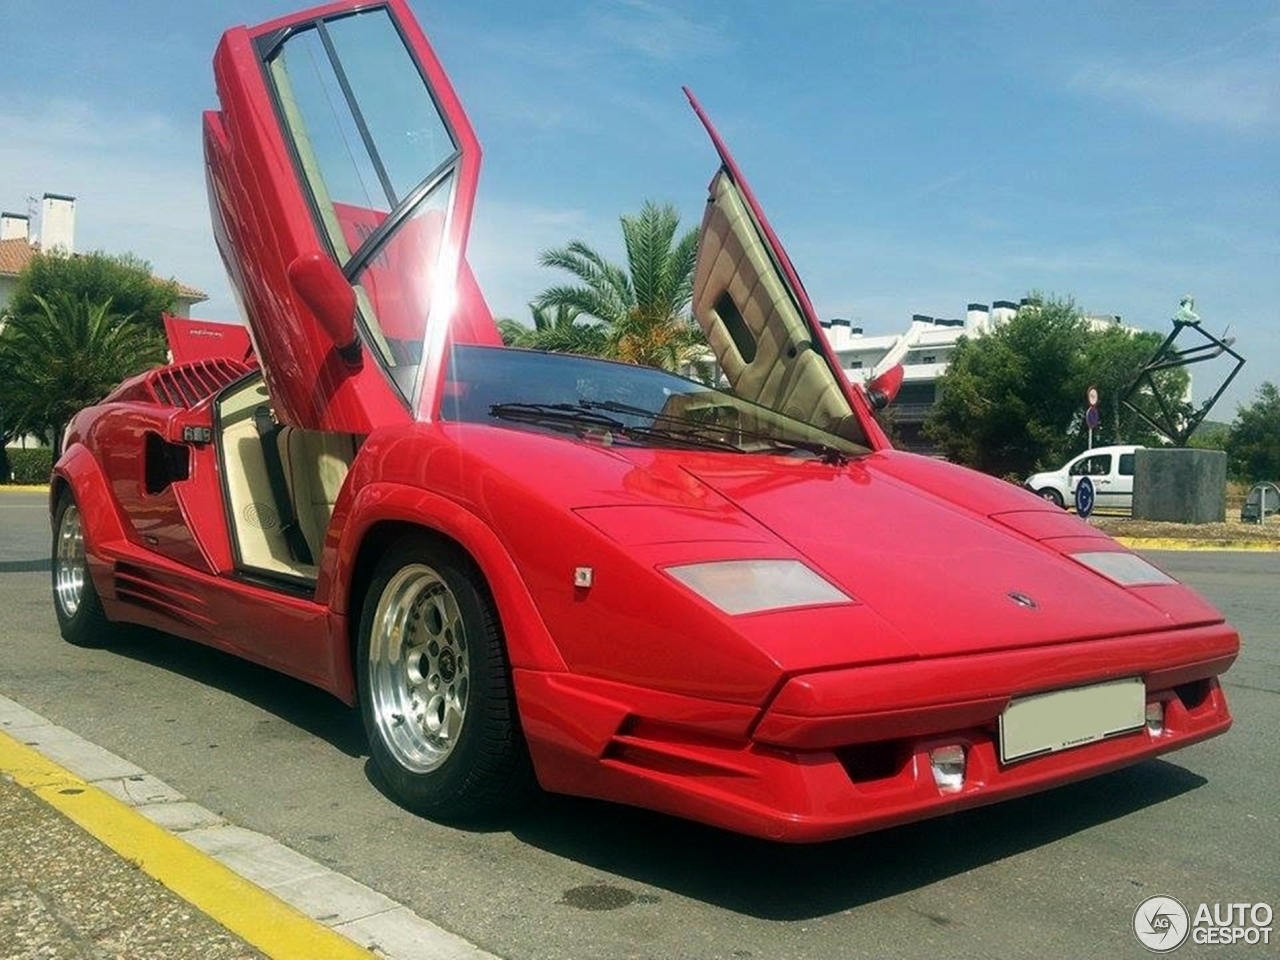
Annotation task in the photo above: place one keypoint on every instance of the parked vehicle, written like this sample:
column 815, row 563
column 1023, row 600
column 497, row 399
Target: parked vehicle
column 1262, row 503
column 725, row 598
column 1109, row 468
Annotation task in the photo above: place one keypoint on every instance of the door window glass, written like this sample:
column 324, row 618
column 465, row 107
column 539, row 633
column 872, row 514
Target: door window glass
column 378, row 160
column 1095, row 466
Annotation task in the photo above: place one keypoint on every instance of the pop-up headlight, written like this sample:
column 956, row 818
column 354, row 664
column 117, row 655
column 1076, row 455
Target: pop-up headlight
column 1126, row 569
column 750, row 586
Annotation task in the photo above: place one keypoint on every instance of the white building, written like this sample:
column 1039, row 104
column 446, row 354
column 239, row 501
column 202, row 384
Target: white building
column 57, row 231
column 924, row 351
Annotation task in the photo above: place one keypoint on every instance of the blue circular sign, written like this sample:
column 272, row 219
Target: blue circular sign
column 1084, row 497
column 1091, row 418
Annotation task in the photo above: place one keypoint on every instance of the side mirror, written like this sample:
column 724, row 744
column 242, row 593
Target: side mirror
column 318, row 281
column 882, row 390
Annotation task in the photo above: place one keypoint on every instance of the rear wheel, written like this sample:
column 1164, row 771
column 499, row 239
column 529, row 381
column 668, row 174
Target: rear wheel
column 81, row 618
column 435, row 686
column 1052, row 495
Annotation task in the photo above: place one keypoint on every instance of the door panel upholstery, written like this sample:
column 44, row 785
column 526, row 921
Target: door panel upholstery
column 786, row 372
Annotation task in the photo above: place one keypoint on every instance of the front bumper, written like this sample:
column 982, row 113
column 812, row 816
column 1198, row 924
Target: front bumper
column 847, row 751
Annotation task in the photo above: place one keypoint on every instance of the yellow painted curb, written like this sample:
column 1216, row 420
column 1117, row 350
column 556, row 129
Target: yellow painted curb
column 253, row 914
column 1168, row 543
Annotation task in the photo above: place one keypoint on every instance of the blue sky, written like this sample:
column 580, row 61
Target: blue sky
column 913, row 157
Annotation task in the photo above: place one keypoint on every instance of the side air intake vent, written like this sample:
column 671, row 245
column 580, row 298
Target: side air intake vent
column 187, row 384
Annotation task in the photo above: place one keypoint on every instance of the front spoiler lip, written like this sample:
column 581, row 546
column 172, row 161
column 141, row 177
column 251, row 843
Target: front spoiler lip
column 696, row 758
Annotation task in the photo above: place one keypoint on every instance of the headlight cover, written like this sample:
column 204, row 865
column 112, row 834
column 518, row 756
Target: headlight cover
column 753, row 586
column 1126, row 569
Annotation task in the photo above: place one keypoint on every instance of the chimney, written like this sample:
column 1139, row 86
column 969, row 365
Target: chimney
column 838, row 332
column 57, row 223
column 1003, row 311
column 975, row 318
column 14, row 226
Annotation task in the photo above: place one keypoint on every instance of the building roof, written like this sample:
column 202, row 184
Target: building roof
column 15, row 254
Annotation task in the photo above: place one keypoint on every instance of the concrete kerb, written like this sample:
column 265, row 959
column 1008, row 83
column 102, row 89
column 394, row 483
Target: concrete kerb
column 272, row 897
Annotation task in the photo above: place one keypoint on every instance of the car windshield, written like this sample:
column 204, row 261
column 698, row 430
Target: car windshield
column 621, row 403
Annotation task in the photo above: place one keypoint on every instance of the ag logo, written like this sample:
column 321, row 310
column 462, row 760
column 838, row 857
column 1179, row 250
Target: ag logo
column 1161, row 924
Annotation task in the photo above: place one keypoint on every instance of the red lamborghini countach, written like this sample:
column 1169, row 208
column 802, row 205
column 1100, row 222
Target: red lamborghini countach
column 717, row 593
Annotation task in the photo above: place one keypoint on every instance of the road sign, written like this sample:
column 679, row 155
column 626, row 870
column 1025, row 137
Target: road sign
column 1084, row 497
column 1091, row 418
column 1092, row 396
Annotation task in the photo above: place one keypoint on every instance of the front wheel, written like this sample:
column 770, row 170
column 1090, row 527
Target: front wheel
column 435, row 686
column 1052, row 495
column 81, row 619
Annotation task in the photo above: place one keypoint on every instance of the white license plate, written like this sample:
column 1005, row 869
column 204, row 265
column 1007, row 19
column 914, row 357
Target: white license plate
column 1048, row 722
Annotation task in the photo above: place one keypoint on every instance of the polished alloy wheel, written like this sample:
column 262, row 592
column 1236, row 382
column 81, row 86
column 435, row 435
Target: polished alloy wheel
column 419, row 673
column 70, row 566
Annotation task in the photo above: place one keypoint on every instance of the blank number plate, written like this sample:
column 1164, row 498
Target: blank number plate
column 1049, row 722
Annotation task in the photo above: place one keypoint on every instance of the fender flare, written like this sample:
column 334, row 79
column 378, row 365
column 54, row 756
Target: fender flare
column 80, row 471
column 529, row 643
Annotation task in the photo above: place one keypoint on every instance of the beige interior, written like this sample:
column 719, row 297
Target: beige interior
column 315, row 466
column 786, row 374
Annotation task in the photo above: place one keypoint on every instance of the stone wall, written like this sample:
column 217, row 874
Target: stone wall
column 1183, row 486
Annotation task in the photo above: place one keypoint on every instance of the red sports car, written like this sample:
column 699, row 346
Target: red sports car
column 717, row 593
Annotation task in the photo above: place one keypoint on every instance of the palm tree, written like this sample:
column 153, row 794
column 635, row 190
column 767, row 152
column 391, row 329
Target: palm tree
column 65, row 356
column 555, row 328
column 642, row 309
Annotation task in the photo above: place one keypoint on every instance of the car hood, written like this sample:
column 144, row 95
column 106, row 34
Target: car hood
column 953, row 580
column 930, row 552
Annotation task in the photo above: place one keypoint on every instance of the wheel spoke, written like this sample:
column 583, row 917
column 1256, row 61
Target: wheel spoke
column 418, row 668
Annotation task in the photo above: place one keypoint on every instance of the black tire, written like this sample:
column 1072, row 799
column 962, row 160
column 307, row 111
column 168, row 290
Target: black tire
column 76, row 603
column 435, row 686
column 1052, row 495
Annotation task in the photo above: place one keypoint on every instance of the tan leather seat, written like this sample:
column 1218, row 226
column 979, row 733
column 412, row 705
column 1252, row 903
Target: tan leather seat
column 315, row 466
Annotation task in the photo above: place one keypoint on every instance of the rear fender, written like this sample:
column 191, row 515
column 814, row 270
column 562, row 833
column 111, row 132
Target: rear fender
column 80, row 471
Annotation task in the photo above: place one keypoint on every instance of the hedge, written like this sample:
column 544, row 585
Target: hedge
column 29, row 466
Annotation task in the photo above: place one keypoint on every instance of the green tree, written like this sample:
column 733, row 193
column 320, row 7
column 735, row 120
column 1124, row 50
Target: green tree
column 1253, row 445
column 125, row 280
column 67, row 357
column 1013, row 400
column 555, row 328
column 1009, row 398
column 643, row 308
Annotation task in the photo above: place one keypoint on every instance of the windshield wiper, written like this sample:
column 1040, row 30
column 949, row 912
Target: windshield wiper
column 828, row 454
column 582, row 416
column 551, row 414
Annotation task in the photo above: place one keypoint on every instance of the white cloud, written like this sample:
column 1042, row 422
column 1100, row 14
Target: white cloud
column 506, row 239
column 655, row 31
column 138, row 180
column 1234, row 85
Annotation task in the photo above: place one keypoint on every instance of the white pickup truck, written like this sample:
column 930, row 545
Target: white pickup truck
column 1110, row 469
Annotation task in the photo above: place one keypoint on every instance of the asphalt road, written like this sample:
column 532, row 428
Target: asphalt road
column 1059, row 874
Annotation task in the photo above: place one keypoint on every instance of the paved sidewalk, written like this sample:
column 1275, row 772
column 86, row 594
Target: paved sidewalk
column 64, row 894
column 101, row 861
